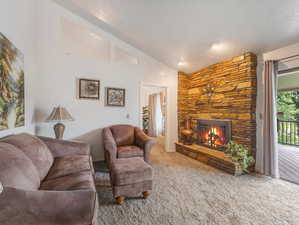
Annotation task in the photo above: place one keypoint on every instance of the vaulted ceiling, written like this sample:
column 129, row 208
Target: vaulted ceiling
column 196, row 33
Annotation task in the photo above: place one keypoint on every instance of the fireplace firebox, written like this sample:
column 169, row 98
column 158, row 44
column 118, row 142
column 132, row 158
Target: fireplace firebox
column 214, row 134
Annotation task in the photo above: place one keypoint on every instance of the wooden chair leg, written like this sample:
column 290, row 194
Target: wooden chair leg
column 145, row 194
column 120, row 200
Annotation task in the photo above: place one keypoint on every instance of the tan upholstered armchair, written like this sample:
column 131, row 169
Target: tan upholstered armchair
column 125, row 141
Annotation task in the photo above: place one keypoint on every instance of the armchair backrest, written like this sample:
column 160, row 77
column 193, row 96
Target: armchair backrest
column 123, row 134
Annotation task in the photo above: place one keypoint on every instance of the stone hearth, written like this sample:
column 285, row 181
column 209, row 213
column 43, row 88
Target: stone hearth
column 210, row 157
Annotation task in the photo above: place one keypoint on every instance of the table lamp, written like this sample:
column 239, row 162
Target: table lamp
column 59, row 114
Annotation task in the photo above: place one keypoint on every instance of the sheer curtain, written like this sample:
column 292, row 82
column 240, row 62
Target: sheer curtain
column 163, row 110
column 155, row 127
column 267, row 157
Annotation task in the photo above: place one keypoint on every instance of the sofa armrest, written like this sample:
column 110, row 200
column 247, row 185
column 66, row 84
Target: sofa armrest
column 145, row 142
column 23, row 207
column 61, row 148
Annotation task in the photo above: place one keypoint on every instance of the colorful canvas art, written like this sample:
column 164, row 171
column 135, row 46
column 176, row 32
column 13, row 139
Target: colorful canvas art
column 12, row 96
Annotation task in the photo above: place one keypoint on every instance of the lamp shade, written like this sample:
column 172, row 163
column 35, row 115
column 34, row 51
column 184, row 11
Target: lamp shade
column 1, row 188
column 59, row 114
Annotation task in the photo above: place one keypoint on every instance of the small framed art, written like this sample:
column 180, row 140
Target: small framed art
column 115, row 97
column 89, row 89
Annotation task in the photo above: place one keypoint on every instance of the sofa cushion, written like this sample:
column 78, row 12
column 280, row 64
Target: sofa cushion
column 34, row 149
column 76, row 181
column 68, row 165
column 129, row 151
column 16, row 169
column 130, row 171
column 123, row 134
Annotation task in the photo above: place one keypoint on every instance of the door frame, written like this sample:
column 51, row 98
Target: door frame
column 141, row 88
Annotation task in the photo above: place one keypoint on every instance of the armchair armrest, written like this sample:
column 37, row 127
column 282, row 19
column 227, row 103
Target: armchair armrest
column 145, row 142
column 61, row 148
column 46, row 207
column 110, row 146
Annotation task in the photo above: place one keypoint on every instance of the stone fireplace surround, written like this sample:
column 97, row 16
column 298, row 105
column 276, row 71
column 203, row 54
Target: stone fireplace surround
column 223, row 91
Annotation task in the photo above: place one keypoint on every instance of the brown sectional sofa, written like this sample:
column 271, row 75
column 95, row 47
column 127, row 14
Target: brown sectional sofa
column 46, row 182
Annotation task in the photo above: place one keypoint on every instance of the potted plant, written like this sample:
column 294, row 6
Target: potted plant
column 239, row 154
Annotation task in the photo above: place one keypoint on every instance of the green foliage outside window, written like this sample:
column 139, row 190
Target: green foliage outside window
column 288, row 105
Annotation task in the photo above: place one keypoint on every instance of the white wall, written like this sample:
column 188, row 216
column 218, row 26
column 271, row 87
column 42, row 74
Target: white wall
column 17, row 23
column 272, row 55
column 122, row 66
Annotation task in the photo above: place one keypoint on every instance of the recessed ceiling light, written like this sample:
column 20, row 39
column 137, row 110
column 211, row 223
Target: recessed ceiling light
column 218, row 46
column 181, row 63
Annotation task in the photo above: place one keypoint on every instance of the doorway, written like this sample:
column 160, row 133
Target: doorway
column 288, row 125
column 153, row 108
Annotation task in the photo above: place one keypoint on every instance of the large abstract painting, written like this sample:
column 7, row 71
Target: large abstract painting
column 12, row 101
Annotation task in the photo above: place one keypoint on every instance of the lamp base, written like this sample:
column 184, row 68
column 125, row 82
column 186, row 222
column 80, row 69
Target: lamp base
column 59, row 130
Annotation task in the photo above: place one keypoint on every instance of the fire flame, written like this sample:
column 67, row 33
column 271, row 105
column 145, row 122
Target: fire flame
column 214, row 137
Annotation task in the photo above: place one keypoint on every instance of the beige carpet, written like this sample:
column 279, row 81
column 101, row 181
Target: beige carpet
column 187, row 192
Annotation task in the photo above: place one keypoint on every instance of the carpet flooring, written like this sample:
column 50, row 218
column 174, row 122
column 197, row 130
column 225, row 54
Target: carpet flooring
column 187, row 192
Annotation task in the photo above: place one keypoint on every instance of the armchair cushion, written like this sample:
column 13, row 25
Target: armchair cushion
column 68, row 165
column 76, row 181
column 123, row 134
column 129, row 151
column 16, row 169
column 34, row 149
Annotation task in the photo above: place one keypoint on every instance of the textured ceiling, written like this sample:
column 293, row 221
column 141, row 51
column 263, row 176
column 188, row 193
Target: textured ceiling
column 175, row 30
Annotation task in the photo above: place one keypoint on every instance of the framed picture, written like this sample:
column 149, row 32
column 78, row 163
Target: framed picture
column 89, row 89
column 115, row 97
